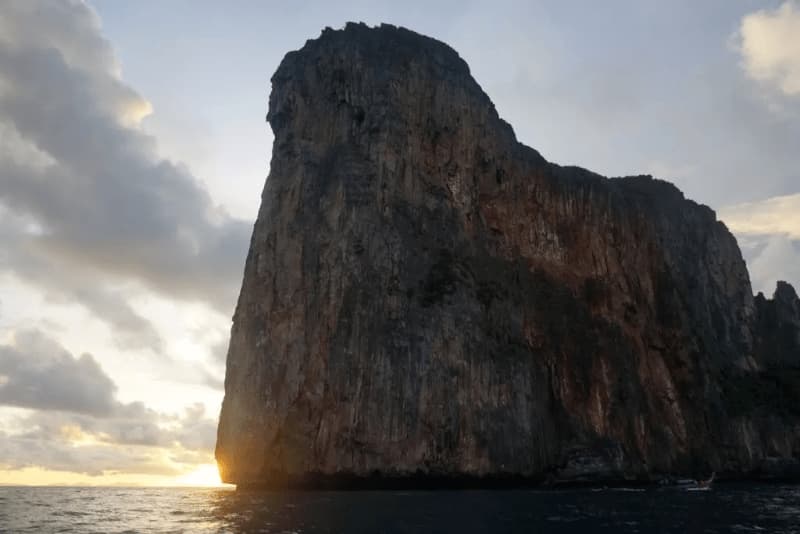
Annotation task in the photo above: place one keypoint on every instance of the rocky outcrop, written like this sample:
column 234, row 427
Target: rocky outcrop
column 778, row 327
column 427, row 299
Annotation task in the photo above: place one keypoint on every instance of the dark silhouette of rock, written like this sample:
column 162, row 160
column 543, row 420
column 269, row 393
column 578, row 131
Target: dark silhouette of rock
column 426, row 301
column 778, row 329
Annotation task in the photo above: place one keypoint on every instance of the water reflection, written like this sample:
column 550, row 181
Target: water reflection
column 743, row 508
column 729, row 508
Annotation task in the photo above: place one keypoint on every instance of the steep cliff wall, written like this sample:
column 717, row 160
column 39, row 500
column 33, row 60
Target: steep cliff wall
column 426, row 297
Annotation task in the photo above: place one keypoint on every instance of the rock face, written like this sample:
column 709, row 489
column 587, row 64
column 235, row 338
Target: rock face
column 427, row 299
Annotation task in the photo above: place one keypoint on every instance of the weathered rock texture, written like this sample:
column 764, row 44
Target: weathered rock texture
column 425, row 298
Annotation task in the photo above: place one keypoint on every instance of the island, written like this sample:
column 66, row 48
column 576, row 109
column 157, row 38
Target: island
column 428, row 302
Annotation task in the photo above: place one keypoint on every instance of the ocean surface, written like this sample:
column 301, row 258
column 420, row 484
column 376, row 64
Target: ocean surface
column 726, row 508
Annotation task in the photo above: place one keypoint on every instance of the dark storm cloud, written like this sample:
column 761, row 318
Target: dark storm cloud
column 101, row 207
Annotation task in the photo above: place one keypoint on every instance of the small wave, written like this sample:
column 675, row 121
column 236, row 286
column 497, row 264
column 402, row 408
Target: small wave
column 73, row 513
column 747, row 528
column 562, row 519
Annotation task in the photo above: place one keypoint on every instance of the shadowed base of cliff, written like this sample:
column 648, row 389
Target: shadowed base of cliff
column 377, row 481
column 424, row 482
column 771, row 470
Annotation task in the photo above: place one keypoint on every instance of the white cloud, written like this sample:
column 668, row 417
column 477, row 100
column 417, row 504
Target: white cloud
column 73, row 421
column 777, row 215
column 778, row 259
column 769, row 236
column 769, row 42
column 108, row 210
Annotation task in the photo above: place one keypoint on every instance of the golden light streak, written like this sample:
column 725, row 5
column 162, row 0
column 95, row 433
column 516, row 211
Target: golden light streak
column 206, row 475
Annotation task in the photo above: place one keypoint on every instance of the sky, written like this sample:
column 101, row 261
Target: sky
column 133, row 151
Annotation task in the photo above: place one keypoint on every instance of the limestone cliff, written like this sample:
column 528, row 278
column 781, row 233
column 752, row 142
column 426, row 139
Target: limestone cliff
column 425, row 298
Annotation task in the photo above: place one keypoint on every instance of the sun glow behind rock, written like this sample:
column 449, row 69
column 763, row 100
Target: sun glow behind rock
column 206, row 475
column 36, row 476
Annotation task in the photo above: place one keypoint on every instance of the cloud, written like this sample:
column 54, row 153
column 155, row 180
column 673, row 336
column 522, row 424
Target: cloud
column 771, row 258
column 219, row 350
column 95, row 459
column 777, row 215
column 197, row 431
column 77, row 424
column 140, row 441
column 128, row 424
column 22, row 255
column 92, row 212
column 38, row 373
column 770, row 47
column 768, row 232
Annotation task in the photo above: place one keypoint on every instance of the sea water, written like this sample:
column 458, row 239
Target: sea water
column 726, row 508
